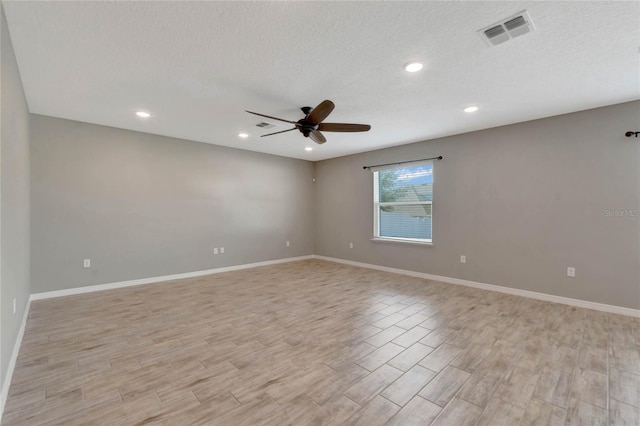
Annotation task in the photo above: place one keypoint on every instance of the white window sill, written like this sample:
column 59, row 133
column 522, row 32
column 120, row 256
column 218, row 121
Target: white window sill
column 401, row 241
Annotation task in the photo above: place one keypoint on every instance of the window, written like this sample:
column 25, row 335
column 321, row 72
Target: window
column 402, row 203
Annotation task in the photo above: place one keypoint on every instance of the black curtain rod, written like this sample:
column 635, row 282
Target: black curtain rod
column 403, row 162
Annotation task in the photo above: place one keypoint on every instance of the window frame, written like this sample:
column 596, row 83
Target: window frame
column 377, row 205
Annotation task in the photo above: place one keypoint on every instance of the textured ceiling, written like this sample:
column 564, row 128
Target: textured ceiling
column 196, row 66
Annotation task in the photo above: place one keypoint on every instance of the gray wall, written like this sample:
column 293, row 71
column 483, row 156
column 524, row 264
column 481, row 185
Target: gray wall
column 14, row 200
column 522, row 202
column 141, row 205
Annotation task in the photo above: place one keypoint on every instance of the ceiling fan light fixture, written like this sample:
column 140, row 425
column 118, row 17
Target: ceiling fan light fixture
column 143, row 114
column 243, row 135
column 413, row 67
column 472, row 108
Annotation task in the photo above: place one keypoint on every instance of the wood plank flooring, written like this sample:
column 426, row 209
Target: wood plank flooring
column 319, row 343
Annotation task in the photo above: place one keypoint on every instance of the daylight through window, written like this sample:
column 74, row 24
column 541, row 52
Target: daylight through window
column 402, row 202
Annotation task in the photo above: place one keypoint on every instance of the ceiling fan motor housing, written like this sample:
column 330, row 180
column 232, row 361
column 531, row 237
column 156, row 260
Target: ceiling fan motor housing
column 306, row 127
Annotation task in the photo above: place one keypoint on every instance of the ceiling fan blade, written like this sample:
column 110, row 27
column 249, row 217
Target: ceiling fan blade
column 273, row 118
column 321, row 112
column 275, row 133
column 317, row 137
column 343, row 127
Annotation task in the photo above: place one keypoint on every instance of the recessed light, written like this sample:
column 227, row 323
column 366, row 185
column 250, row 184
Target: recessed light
column 413, row 67
column 243, row 135
column 471, row 109
column 143, row 114
column 308, row 149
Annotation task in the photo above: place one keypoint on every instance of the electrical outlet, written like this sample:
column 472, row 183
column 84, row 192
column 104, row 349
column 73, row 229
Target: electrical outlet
column 288, row 244
column 221, row 250
column 215, row 250
column 14, row 306
column 87, row 263
column 571, row 272
column 463, row 259
column 350, row 245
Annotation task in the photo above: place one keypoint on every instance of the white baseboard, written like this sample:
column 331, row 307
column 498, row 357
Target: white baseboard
column 514, row 291
column 491, row 287
column 12, row 362
column 111, row 286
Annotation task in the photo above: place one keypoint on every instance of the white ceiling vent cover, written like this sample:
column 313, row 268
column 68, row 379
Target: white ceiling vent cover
column 507, row 29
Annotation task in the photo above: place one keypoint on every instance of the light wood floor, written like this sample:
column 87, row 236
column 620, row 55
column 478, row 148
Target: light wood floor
column 316, row 343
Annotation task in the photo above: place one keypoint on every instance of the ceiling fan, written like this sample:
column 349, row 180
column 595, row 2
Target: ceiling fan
column 311, row 124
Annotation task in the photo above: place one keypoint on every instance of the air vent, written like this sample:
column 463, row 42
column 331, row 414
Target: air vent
column 265, row 125
column 514, row 23
column 496, row 35
column 507, row 29
column 495, row 31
